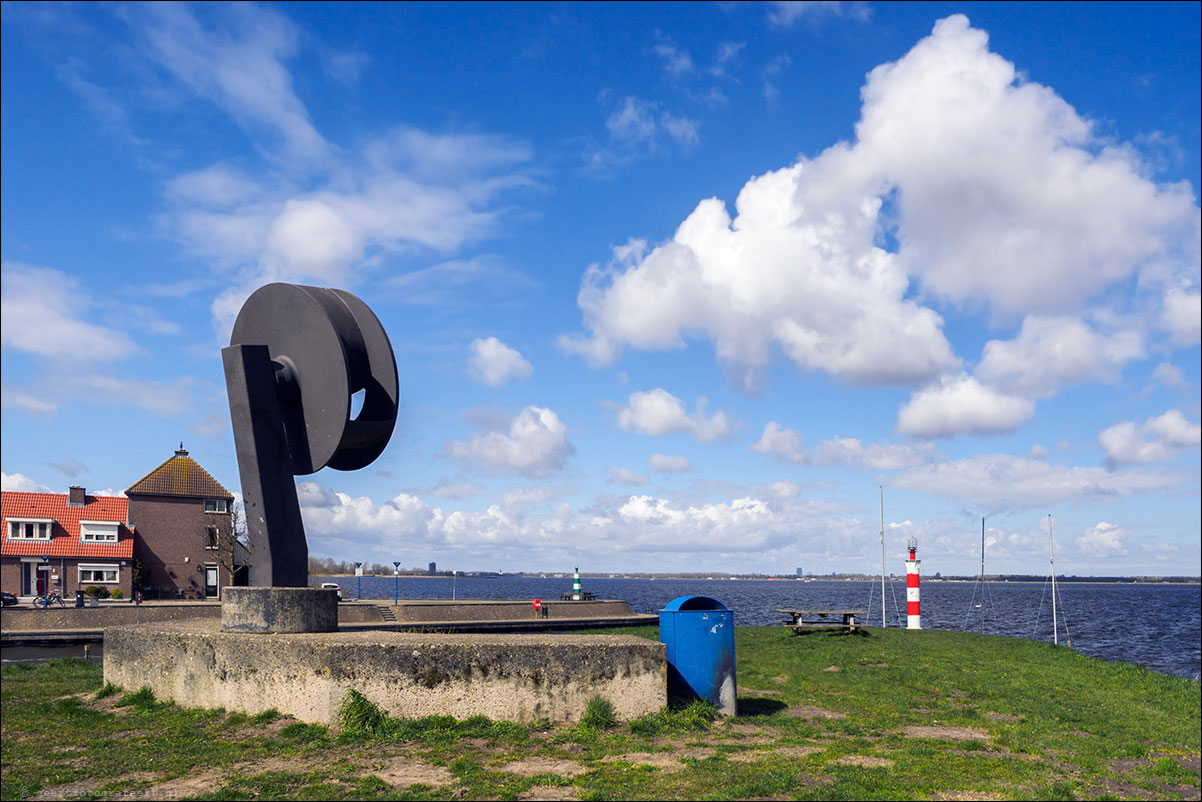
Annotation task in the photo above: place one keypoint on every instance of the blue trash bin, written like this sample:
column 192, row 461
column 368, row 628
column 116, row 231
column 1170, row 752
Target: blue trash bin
column 699, row 633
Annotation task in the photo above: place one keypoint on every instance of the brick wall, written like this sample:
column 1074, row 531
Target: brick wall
column 171, row 543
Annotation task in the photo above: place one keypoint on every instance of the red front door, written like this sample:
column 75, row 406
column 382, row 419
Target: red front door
column 43, row 580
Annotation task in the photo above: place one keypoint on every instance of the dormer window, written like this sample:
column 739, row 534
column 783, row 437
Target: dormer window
column 98, row 531
column 30, row 528
column 217, row 505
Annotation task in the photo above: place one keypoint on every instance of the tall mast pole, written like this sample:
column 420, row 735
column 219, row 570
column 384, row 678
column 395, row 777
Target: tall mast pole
column 982, row 616
column 1052, row 544
column 882, row 488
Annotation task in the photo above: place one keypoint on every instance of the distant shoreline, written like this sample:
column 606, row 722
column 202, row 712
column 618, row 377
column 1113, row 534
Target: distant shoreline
column 673, row 578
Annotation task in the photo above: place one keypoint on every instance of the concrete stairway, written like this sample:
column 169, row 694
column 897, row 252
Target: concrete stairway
column 387, row 613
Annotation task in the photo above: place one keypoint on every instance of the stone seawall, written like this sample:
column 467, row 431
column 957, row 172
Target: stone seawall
column 416, row 612
column 513, row 677
column 24, row 619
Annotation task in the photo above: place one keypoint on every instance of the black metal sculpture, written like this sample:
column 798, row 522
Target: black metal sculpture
column 296, row 357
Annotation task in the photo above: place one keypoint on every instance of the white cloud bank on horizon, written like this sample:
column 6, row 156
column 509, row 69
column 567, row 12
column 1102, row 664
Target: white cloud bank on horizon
column 758, row 531
column 999, row 196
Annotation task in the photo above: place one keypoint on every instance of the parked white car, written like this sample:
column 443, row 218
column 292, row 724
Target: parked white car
column 332, row 586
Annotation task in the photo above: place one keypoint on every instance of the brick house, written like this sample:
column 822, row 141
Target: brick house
column 182, row 518
column 65, row 542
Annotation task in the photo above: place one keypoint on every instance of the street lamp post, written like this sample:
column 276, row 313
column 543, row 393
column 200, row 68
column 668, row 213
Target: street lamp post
column 45, row 582
column 359, row 580
column 454, row 573
column 396, row 582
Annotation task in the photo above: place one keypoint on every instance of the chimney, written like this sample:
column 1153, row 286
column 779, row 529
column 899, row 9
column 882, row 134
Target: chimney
column 180, row 452
column 77, row 496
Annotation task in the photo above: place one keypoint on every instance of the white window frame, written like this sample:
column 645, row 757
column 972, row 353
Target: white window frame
column 106, row 567
column 217, row 503
column 45, row 528
column 104, row 532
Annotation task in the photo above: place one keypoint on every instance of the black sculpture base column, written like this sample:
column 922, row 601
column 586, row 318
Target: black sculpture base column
column 279, row 610
column 279, row 555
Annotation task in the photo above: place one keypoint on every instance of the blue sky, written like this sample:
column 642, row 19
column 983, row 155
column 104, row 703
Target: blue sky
column 670, row 287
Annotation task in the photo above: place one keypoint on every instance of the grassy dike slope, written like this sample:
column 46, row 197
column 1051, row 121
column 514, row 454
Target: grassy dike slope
column 888, row 715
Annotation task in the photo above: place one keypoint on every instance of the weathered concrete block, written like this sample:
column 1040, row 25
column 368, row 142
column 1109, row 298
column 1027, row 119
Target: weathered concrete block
column 284, row 610
column 512, row 677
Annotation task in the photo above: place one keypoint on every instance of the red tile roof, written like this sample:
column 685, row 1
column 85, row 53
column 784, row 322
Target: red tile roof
column 64, row 536
column 179, row 476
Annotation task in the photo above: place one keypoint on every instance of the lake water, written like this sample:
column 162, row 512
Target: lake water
column 1158, row 626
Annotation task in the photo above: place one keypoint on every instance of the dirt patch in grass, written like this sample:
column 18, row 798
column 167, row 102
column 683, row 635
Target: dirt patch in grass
column 1121, row 789
column 1003, row 717
column 533, row 766
column 744, row 730
column 780, row 680
column 180, row 787
column 830, row 670
column 873, row 665
column 946, row 733
column 668, row 761
column 130, row 735
column 756, row 755
column 550, row 792
column 403, row 772
column 864, row 761
column 965, row 795
column 812, row 712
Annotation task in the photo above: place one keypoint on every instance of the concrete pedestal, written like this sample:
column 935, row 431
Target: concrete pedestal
column 279, row 610
column 511, row 677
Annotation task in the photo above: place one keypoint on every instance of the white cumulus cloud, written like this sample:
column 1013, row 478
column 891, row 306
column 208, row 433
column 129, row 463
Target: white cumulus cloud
column 788, row 445
column 960, row 405
column 657, row 412
column 998, row 195
column 536, row 445
column 1158, row 439
column 1103, row 539
column 494, row 363
column 20, row 483
column 1051, row 352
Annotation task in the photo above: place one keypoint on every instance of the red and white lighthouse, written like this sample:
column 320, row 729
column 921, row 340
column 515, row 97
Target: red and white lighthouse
column 913, row 610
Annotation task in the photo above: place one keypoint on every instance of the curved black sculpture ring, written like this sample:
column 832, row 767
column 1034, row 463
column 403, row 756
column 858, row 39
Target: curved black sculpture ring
column 296, row 358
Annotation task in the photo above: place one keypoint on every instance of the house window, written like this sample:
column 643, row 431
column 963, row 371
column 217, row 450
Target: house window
column 98, row 531
column 30, row 529
column 210, row 537
column 217, row 505
column 104, row 574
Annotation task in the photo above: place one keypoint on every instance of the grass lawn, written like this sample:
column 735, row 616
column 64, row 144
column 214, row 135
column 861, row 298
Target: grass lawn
column 890, row 714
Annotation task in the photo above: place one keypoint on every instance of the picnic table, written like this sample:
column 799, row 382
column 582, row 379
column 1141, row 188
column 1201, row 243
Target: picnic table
column 823, row 619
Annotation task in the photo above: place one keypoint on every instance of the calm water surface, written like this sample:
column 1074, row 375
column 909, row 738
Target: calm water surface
column 1158, row 626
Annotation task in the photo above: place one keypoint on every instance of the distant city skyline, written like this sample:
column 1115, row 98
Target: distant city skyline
column 671, row 291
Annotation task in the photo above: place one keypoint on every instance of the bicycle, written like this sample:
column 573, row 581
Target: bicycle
column 49, row 599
